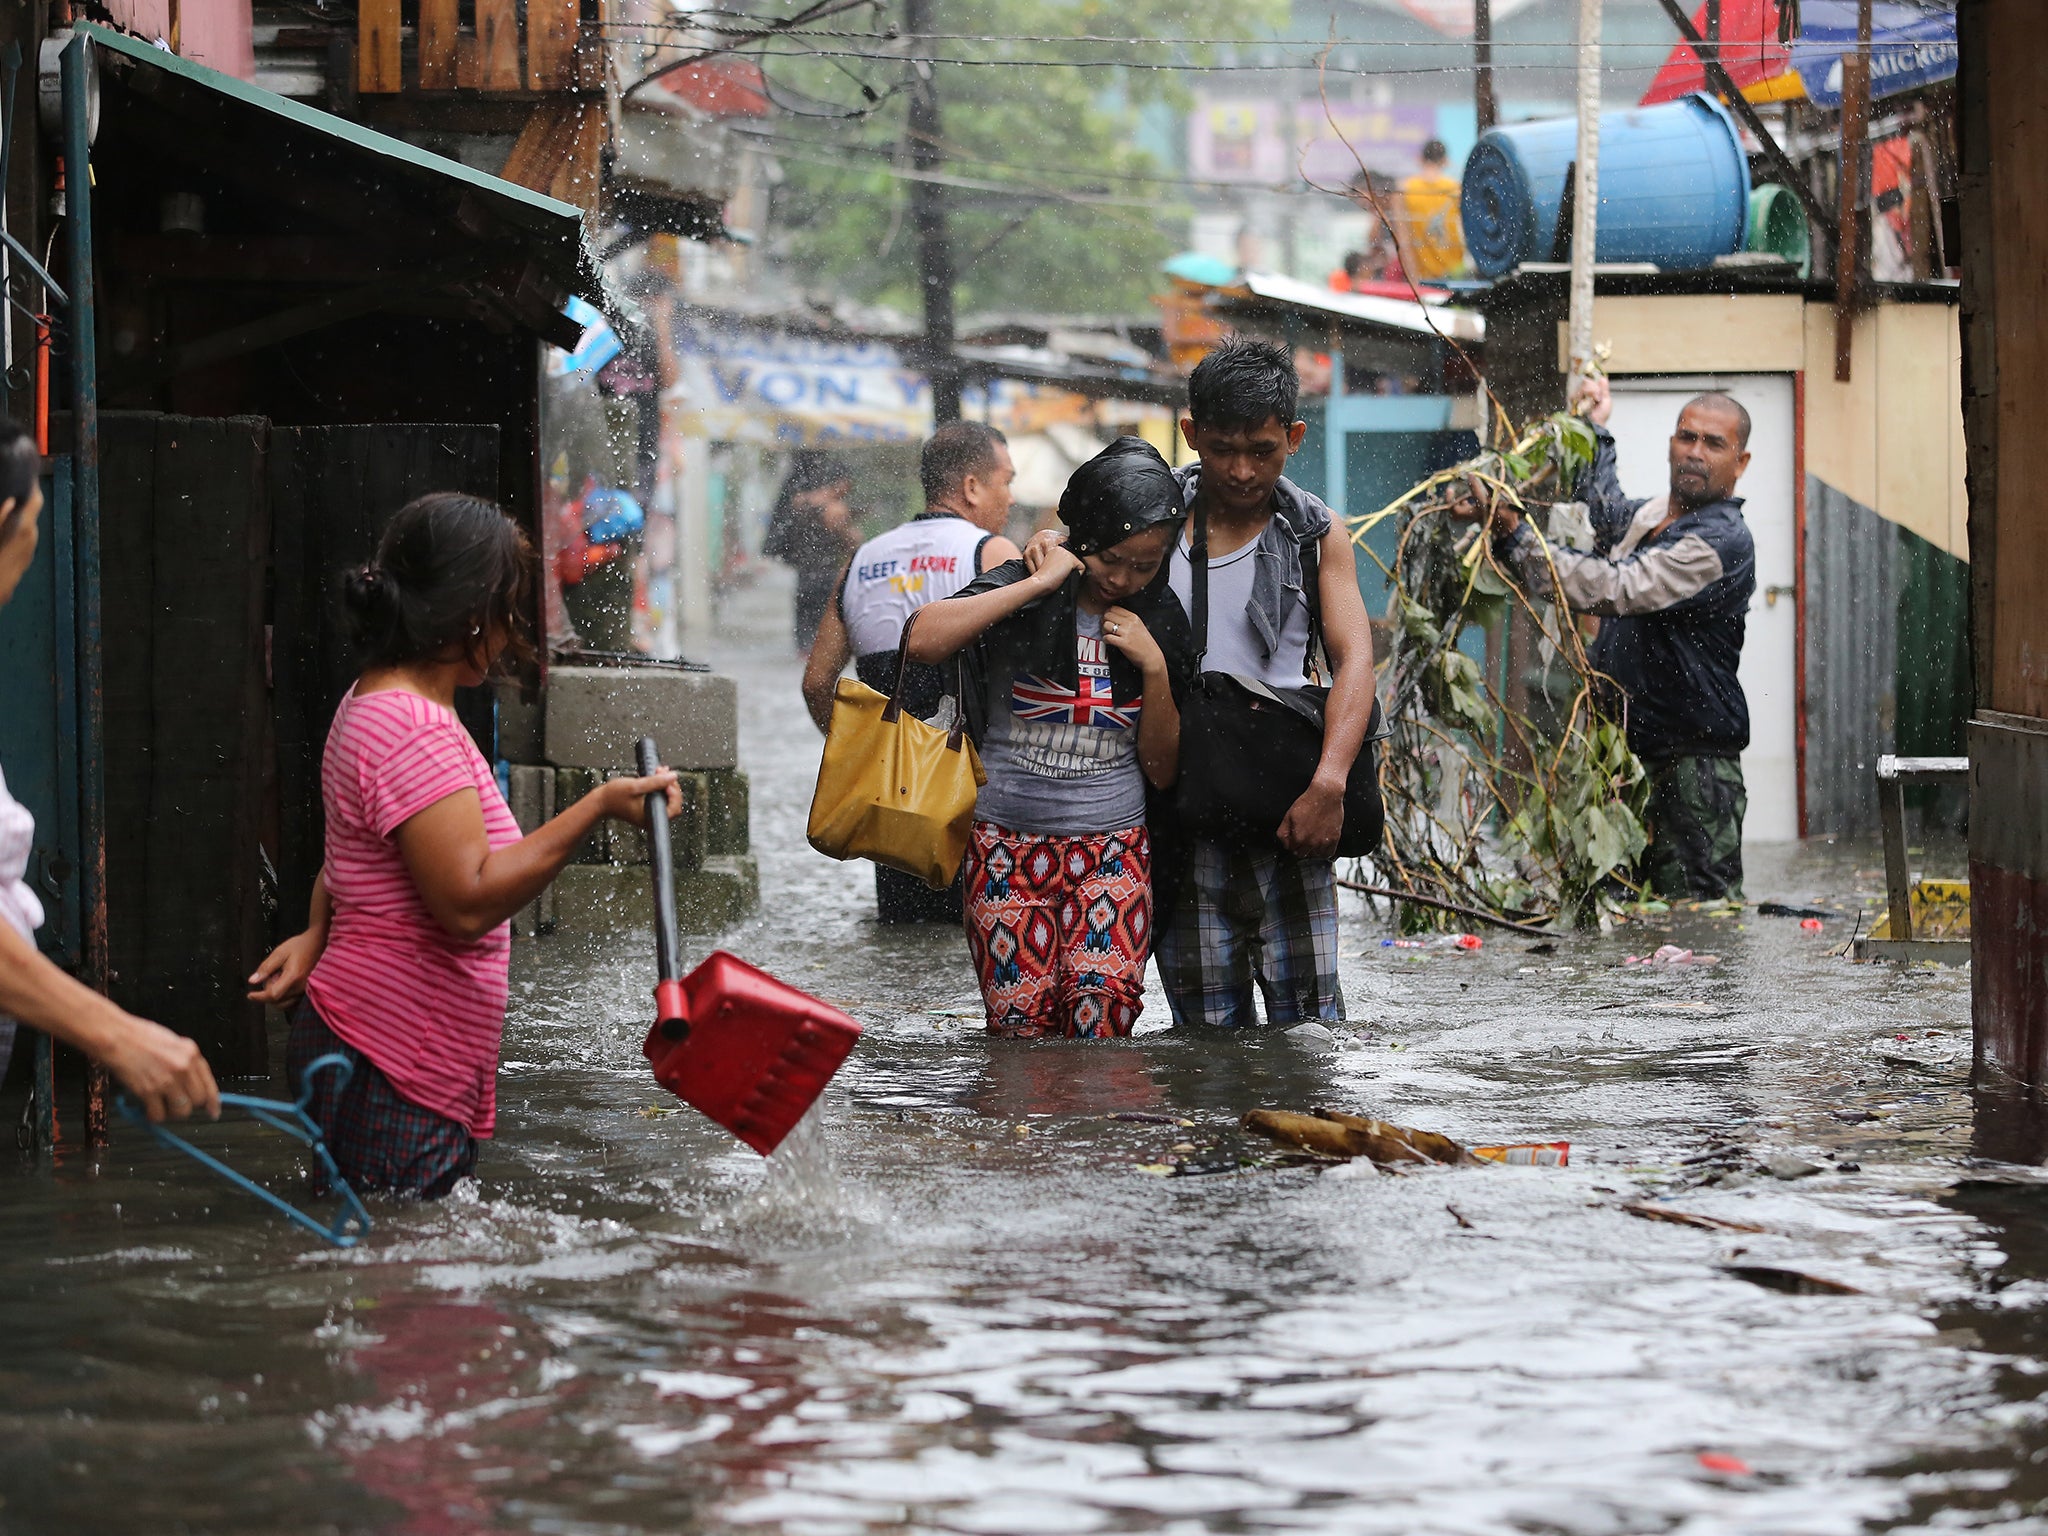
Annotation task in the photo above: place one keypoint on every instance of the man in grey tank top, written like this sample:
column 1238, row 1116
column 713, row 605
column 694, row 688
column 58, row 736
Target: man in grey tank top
column 965, row 472
column 1263, row 911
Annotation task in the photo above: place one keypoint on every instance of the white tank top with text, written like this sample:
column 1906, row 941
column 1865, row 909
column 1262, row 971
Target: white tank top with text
column 896, row 573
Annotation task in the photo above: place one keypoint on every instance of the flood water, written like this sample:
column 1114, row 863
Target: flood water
column 961, row 1303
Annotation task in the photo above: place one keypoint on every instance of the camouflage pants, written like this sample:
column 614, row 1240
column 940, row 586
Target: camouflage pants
column 1694, row 818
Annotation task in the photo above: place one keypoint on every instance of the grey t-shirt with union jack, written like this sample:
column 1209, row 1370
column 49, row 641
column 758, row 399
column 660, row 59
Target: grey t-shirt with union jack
column 1062, row 761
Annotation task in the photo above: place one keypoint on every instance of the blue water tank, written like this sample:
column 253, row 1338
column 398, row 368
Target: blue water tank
column 1674, row 187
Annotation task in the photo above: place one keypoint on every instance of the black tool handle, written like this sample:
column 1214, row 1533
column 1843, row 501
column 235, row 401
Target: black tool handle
column 668, row 949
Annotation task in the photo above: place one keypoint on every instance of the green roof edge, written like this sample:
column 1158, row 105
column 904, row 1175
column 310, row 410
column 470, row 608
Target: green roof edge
column 369, row 139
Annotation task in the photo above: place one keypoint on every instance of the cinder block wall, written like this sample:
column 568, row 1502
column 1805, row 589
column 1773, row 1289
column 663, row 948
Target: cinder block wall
column 580, row 733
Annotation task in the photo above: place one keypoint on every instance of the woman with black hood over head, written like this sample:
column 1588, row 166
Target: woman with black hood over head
column 1072, row 680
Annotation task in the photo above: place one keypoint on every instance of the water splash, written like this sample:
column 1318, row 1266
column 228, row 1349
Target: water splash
column 802, row 1200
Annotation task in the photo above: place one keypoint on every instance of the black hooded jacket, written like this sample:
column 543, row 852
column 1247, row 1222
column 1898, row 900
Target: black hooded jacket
column 1042, row 640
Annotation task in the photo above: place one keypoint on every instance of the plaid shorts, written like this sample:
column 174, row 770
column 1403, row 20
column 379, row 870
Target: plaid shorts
column 1059, row 928
column 1240, row 915
column 379, row 1140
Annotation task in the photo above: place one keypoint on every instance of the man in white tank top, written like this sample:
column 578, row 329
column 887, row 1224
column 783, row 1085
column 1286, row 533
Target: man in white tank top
column 966, row 472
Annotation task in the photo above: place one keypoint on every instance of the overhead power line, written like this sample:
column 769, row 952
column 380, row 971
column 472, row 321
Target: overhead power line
column 1307, row 68
column 962, row 156
column 1316, row 45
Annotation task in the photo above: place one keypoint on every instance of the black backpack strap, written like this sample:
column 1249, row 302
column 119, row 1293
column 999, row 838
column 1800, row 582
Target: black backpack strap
column 1315, row 658
column 1198, row 582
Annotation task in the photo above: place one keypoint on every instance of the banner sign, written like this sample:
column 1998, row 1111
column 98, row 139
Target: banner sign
column 1909, row 48
column 1274, row 143
column 752, row 385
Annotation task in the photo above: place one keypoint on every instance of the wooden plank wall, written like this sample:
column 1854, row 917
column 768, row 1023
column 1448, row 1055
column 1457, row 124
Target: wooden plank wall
column 2016, row 82
column 497, row 54
column 127, row 589
column 2002, row 79
column 225, row 538
column 331, row 490
column 185, row 568
column 440, row 26
column 378, row 29
column 550, row 43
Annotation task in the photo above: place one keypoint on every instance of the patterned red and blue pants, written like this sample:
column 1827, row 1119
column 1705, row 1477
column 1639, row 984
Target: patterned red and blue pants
column 1060, row 929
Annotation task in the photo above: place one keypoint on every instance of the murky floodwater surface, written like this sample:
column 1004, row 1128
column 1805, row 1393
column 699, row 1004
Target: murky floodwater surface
column 959, row 1302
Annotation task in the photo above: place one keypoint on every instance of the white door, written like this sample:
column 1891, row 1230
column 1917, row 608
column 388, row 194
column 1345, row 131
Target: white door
column 1645, row 410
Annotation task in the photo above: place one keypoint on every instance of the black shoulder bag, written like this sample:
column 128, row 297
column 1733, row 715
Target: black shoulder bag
column 1248, row 751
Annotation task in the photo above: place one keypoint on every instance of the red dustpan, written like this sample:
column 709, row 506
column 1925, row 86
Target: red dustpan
column 729, row 1039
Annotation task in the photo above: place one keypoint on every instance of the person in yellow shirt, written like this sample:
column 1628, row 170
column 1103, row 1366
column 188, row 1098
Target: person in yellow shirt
column 1432, row 243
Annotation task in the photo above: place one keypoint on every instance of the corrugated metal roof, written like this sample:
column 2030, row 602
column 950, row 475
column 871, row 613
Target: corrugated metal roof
column 1360, row 311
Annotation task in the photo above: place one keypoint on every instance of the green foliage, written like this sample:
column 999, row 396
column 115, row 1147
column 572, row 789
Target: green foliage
column 1491, row 801
column 841, row 219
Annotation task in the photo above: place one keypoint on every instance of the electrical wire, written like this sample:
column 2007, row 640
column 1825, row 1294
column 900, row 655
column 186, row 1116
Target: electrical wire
column 894, row 36
column 1011, row 189
column 968, row 157
column 818, row 10
column 1307, row 67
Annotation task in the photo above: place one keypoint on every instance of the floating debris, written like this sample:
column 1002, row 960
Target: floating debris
column 1670, row 955
column 1784, row 1165
column 1312, row 1037
column 1331, row 1133
column 1933, row 1050
column 1651, row 1210
column 1536, row 1154
column 1790, row 1281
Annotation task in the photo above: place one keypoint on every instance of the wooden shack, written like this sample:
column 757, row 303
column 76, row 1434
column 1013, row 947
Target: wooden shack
column 301, row 323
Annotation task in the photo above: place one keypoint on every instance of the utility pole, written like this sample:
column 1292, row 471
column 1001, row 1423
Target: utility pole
column 1853, row 184
column 1585, row 193
column 1482, row 64
column 928, row 214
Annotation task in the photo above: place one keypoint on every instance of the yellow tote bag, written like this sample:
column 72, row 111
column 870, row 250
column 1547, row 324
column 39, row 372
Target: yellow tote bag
column 892, row 788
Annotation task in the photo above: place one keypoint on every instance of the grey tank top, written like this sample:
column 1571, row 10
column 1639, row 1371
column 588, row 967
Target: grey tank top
column 1233, row 643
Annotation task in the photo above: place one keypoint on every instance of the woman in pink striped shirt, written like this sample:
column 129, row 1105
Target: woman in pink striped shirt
column 404, row 965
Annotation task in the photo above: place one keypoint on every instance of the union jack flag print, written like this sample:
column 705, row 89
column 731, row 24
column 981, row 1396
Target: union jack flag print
column 1034, row 698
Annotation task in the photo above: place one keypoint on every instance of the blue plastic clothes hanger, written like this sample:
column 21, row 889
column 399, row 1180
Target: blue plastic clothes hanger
column 351, row 1223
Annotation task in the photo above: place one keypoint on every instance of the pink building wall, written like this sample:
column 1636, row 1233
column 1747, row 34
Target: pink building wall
column 211, row 32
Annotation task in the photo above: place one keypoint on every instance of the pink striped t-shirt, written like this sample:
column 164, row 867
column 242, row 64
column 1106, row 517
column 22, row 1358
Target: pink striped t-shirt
column 426, row 1007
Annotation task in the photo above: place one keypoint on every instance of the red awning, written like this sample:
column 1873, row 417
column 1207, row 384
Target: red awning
column 721, row 87
column 1750, row 52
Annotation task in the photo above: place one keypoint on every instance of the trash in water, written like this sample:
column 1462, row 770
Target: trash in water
column 1934, row 1050
column 1672, row 954
column 1784, row 909
column 1732, row 1466
column 1207, row 1161
column 1791, row 1281
column 1357, row 1168
column 1783, row 1165
column 1810, row 924
column 1468, row 941
column 1312, row 1037
column 1535, row 1154
column 1651, row 1210
column 1334, row 1134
